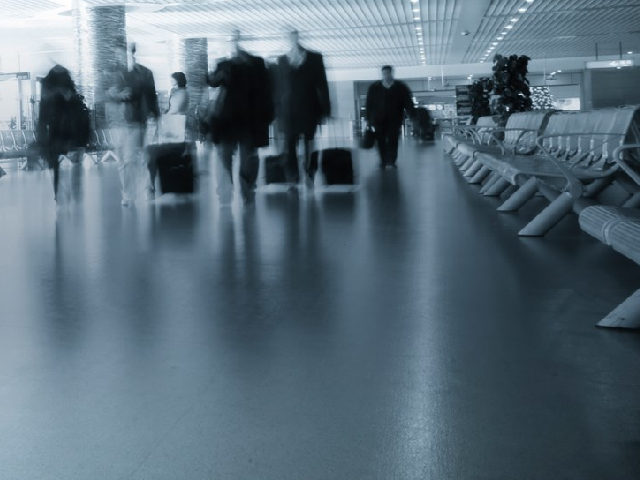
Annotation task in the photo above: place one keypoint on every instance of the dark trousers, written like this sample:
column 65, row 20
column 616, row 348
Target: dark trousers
column 249, row 167
column 292, row 168
column 53, row 159
column 387, row 138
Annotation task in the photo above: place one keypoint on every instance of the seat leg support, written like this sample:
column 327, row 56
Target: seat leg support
column 519, row 198
column 483, row 173
column 549, row 217
column 633, row 201
column 475, row 167
column 499, row 186
column 466, row 162
column 626, row 315
column 491, row 180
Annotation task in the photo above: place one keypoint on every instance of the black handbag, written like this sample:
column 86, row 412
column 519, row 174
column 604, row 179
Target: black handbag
column 368, row 139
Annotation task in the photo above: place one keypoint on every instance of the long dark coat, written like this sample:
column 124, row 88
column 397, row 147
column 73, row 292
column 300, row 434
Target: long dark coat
column 53, row 133
column 302, row 95
column 244, row 108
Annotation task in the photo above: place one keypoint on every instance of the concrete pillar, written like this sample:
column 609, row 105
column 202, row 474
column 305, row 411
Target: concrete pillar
column 196, row 68
column 98, row 31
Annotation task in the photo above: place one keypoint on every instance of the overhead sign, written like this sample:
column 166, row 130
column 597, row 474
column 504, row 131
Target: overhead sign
column 15, row 76
column 610, row 64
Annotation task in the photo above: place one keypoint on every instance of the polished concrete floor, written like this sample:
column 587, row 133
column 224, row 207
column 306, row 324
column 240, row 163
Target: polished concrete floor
column 402, row 331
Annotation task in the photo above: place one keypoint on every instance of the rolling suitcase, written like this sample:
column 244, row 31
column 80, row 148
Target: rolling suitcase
column 174, row 162
column 275, row 172
column 336, row 165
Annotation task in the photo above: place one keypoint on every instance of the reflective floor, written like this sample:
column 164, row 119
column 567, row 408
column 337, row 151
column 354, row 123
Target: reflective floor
column 402, row 331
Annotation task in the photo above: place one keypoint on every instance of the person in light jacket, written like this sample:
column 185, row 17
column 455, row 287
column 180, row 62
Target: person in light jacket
column 179, row 97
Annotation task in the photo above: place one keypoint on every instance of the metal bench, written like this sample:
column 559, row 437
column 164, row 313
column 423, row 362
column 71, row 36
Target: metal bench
column 461, row 133
column 520, row 136
column 619, row 227
column 574, row 162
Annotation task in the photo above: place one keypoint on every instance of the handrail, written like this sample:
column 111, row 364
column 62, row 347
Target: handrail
column 623, row 164
column 574, row 186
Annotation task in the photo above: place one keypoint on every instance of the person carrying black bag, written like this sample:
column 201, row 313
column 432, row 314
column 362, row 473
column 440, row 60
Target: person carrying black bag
column 63, row 121
column 387, row 100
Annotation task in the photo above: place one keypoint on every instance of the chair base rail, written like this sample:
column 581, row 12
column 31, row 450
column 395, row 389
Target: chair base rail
column 626, row 315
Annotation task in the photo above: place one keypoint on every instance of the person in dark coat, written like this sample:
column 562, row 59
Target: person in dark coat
column 302, row 94
column 56, row 132
column 387, row 101
column 241, row 117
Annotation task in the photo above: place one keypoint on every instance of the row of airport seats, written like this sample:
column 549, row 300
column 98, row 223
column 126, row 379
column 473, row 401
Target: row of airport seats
column 570, row 158
column 16, row 145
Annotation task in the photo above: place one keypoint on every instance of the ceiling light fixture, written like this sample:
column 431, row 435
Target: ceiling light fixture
column 629, row 53
column 529, row 1
column 509, row 27
column 514, row 20
column 522, row 10
column 500, row 38
column 417, row 10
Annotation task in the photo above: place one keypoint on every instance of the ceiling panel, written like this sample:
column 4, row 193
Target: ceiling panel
column 357, row 33
column 558, row 28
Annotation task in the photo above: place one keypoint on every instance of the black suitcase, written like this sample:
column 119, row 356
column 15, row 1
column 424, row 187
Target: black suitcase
column 274, row 169
column 336, row 165
column 175, row 166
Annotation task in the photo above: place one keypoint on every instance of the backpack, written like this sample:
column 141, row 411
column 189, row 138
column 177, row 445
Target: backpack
column 77, row 122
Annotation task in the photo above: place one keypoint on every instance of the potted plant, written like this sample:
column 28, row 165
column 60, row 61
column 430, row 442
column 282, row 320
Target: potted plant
column 480, row 95
column 511, row 86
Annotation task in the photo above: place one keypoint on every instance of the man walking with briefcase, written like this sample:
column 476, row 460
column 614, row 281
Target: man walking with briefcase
column 387, row 100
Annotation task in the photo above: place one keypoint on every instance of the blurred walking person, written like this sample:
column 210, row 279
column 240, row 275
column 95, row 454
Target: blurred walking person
column 135, row 88
column 240, row 120
column 302, row 103
column 387, row 101
column 63, row 121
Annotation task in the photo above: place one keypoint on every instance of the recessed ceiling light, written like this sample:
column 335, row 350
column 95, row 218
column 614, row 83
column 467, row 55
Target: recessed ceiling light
column 418, row 28
column 522, row 10
column 529, row 1
column 414, row 1
column 504, row 33
column 494, row 43
column 514, row 20
column 559, row 71
column 509, row 27
column 416, row 18
column 500, row 38
column 629, row 53
column 416, row 9
column 481, row 61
